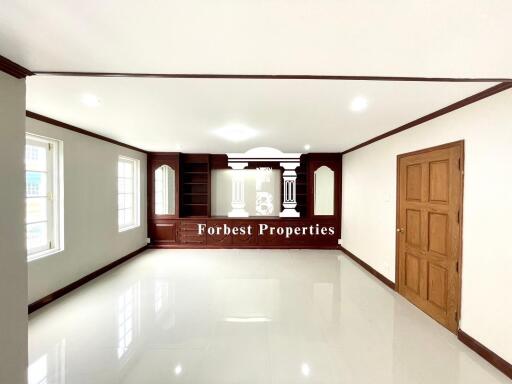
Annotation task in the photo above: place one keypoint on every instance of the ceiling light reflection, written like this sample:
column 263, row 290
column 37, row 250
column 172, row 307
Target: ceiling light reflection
column 236, row 132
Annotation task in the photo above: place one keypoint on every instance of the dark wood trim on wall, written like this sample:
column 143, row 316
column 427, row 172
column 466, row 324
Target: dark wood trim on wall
column 49, row 120
column 13, row 69
column 76, row 284
column 271, row 77
column 443, row 111
column 370, row 269
column 495, row 360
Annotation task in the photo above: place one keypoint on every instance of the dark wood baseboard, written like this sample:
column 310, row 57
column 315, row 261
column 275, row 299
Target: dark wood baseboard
column 76, row 284
column 375, row 273
column 493, row 359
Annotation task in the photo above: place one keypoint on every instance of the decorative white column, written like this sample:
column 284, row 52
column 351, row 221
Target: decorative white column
column 289, row 190
column 237, row 191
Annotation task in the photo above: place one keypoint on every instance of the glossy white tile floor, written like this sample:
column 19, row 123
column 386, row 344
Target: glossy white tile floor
column 244, row 316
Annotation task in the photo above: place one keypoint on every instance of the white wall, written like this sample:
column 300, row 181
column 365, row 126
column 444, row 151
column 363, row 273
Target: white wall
column 13, row 267
column 369, row 209
column 91, row 237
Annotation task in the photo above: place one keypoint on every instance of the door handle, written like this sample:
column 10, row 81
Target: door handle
column 400, row 230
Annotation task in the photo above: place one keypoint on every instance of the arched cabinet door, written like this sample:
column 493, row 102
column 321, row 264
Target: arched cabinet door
column 164, row 190
column 323, row 186
column 163, row 187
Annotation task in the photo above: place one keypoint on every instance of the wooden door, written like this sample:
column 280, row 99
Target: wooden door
column 429, row 230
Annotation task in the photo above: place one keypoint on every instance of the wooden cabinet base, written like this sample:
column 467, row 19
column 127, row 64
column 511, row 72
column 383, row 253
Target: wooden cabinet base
column 261, row 233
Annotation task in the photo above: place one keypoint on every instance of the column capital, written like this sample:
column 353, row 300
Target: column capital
column 237, row 166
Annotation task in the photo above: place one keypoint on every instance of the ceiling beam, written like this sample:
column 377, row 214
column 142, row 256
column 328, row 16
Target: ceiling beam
column 269, row 77
column 13, row 69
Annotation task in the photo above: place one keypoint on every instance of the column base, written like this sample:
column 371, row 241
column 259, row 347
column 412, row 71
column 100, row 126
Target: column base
column 289, row 212
column 238, row 212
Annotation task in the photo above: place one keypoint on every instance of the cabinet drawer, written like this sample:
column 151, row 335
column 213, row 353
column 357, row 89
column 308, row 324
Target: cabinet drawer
column 192, row 226
column 192, row 238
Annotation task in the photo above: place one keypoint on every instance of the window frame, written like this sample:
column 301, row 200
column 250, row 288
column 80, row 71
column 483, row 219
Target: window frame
column 54, row 195
column 135, row 223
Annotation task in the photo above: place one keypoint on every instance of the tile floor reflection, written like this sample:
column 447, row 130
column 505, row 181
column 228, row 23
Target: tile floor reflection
column 244, row 316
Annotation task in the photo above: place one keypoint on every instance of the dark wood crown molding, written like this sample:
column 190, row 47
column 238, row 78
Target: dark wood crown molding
column 58, row 123
column 270, row 77
column 443, row 111
column 13, row 69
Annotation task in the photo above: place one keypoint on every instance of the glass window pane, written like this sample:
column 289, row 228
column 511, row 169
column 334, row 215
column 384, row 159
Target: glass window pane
column 35, row 183
column 37, row 236
column 120, row 202
column 129, row 216
column 128, row 201
column 120, row 186
column 128, row 170
column 35, row 158
column 36, row 209
column 120, row 217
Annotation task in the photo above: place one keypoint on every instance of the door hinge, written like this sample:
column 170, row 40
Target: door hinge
column 457, row 267
column 49, row 146
column 458, row 216
column 456, row 315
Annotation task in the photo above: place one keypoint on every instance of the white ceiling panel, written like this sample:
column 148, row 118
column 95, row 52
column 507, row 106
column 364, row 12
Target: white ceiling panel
column 452, row 38
column 187, row 114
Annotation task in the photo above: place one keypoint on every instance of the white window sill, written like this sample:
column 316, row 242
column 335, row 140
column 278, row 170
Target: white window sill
column 129, row 228
column 43, row 254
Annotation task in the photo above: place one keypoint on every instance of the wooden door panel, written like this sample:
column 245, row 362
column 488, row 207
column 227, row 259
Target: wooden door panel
column 413, row 227
column 412, row 273
column 413, row 182
column 429, row 231
column 438, row 233
column 439, row 183
column 437, row 292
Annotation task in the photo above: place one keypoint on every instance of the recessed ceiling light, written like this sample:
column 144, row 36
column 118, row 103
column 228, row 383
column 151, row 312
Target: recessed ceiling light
column 307, row 147
column 359, row 104
column 178, row 370
column 90, row 100
column 236, row 132
column 305, row 369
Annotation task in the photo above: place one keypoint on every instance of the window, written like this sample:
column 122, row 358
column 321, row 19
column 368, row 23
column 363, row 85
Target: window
column 128, row 206
column 43, row 196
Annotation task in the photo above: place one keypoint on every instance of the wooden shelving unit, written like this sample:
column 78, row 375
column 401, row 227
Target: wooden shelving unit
column 195, row 183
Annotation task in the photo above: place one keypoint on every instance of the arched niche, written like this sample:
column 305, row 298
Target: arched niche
column 164, row 190
column 324, row 191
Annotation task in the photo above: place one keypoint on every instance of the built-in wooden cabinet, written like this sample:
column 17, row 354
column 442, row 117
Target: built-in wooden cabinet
column 175, row 223
column 195, row 185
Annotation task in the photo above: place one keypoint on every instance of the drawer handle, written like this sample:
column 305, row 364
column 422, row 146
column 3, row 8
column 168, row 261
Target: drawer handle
column 164, row 225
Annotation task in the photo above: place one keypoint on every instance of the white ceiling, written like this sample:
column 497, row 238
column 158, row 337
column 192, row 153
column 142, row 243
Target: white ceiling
column 158, row 114
column 451, row 38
